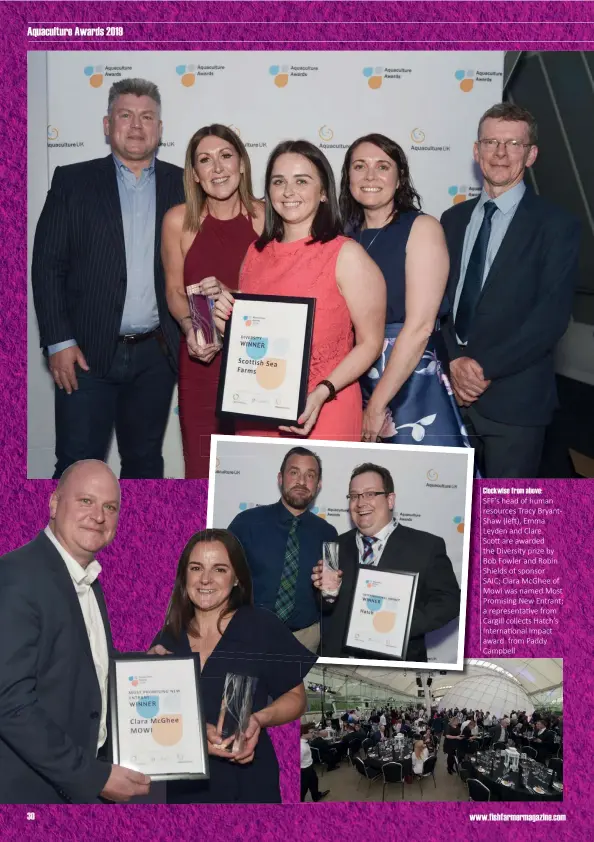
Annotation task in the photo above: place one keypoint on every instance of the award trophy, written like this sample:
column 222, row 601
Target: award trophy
column 201, row 312
column 329, row 570
column 236, row 709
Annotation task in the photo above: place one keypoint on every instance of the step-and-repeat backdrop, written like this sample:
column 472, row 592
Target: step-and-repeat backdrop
column 429, row 102
column 433, row 493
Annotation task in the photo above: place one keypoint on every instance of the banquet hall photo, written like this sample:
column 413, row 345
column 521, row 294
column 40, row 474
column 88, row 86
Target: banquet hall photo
column 493, row 732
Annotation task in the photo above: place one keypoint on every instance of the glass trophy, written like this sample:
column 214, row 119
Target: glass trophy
column 236, row 709
column 201, row 312
column 330, row 581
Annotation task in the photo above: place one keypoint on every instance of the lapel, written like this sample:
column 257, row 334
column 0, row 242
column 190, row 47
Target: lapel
column 62, row 576
column 456, row 244
column 517, row 233
column 107, row 194
column 162, row 204
column 98, row 591
column 394, row 555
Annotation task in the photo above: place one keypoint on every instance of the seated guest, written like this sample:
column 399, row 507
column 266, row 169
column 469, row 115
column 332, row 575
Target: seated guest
column 379, row 541
column 544, row 741
column 420, row 754
column 283, row 541
column 211, row 616
column 309, row 778
column 500, row 733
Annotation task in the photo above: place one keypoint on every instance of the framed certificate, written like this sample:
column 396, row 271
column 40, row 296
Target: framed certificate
column 381, row 612
column 266, row 354
column 157, row 723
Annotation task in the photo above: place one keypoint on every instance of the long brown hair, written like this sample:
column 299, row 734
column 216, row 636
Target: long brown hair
column 196, row 198
column 180, row 612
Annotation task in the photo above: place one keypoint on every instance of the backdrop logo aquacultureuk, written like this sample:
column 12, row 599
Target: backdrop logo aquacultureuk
column 466, row 79
column 94, row 75
column 52, row 133
column 417, row 135
column 374, row 76
column 325, row 133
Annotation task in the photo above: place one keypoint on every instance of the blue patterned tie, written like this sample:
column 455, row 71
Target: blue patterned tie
column 285, row 599
column 368, row 542
column 473, row 279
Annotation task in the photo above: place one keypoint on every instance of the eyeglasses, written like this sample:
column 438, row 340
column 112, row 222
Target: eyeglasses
column 510, row 145
column 365, row 495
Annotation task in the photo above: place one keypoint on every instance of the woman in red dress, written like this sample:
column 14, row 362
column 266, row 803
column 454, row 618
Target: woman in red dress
column 204, row 242
column 302, row 253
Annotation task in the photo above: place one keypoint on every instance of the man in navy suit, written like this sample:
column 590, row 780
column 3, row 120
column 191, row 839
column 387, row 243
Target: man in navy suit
column 56, row 644
column 99, row 291
column 513, row 269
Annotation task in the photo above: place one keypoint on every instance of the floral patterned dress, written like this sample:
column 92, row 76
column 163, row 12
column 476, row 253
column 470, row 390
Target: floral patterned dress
column 424, row 411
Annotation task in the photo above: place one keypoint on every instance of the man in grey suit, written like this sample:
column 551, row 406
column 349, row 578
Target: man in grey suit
column 54, row 657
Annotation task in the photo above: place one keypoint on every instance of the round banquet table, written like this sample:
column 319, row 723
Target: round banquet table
column 516, row 792
column 376, row 759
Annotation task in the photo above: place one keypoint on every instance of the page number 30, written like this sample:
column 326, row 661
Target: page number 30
column 30, row 817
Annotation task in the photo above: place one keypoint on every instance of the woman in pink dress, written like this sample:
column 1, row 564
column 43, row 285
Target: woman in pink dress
column 302, row 253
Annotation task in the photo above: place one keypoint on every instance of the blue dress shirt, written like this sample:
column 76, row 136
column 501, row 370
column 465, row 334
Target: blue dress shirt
column 507, row 204
column 263, row 533
column 138, row 203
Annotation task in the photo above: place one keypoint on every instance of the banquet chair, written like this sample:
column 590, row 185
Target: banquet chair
column 477, row 791
column 353, row 750
column 370, row 775
column 367, row 744
column 531, row 752
column 392, row 773
column 428, row 771
column 556, row 764
column 465, row 770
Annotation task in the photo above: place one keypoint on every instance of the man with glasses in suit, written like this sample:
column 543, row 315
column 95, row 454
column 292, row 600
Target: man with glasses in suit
column 513, row 270
column 379, row 541
column 99, row 291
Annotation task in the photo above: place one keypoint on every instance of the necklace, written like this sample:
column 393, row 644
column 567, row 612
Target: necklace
column 372, row 241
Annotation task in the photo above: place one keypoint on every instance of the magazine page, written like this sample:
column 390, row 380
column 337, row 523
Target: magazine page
column 297, row 393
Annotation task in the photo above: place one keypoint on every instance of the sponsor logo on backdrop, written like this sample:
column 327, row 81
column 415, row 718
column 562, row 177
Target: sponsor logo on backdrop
column 219, row 471
column 467, row 78
column 432, row 475
column 407, row 517
column 52, row 136
column 376, row 75
column 281, row 72
column 326, row 134
column 316, row 510
column 433, row 480
column 166, row 144
column 459, row 521
column 243, row 507
column 418, row 138
column 260, row 144
column 188, row 73
column 235, row 129
column 461, row 192
column 94, row 75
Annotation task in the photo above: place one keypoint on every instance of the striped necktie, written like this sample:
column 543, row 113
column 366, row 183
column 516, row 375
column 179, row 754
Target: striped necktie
column 285, row 599
column 368, row 542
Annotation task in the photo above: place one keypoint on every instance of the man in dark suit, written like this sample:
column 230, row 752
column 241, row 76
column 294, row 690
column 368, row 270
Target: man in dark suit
column 500, row 733
column 379, row 541
column 543, row 742
column 513, row 269
column 56, row 643
column 99, row 291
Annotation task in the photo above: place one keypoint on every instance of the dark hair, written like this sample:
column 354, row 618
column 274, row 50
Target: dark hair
column 514, row 114
column 369, row 467
column 326, row 225
column 406, row 197
column 306, row 727
column 301, row 451
column 180, row 612
column 196, row 198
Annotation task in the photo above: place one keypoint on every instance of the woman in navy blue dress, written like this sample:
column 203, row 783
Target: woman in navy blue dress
column 211, row 616
column 406, row 393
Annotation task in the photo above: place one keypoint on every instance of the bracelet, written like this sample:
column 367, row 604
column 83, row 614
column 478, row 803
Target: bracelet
column 331, row 389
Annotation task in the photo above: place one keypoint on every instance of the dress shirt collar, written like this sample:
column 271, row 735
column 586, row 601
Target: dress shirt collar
column 78, row 574
column 121, row 166
column 508, row 201
column 384, row 533
column 284, row 515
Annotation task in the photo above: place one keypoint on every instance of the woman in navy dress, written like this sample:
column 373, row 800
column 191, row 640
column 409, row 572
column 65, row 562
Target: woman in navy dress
column 211, row 616
column 406, row 393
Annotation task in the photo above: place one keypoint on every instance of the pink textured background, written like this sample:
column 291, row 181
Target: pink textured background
column 157, row 518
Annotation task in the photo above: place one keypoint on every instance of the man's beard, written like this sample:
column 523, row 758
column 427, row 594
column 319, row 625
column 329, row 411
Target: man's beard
column 297, row 501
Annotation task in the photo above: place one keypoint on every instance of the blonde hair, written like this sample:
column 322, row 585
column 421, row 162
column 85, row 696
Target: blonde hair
column 196, row 198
